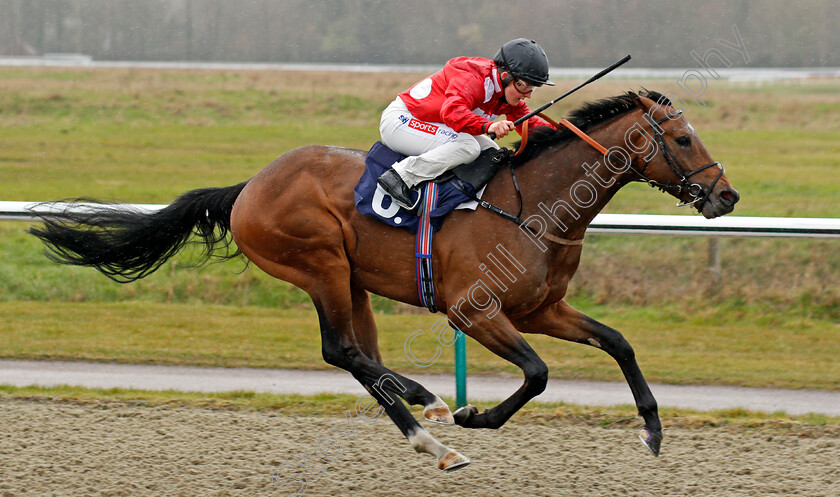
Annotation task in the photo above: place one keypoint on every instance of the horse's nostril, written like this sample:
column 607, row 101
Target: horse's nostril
column 729, row 197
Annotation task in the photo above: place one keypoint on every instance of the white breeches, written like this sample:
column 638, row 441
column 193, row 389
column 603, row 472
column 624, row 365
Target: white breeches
column 432, row 148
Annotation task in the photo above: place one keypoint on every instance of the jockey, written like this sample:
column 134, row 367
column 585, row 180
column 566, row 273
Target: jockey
column 440, row 122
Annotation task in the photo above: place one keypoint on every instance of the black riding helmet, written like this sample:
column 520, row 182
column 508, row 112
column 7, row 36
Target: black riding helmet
column 525, row 60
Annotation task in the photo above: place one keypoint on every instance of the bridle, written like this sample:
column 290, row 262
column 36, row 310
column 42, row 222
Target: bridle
column 694, row 190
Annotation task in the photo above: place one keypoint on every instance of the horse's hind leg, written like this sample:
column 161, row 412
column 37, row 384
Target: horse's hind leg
column 364, row 324
column 309, row 253
column 341, row 348
column 435, row 410
column 331, row 294
column 562, row 321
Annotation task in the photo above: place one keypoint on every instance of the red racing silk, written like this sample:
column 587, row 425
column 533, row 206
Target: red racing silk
column 466, row 95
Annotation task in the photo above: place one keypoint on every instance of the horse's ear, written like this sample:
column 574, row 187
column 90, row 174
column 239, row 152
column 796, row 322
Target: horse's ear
column 645, row 102
column 651, row 102
column 649, row 99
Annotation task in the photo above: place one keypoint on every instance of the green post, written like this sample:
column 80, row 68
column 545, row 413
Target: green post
column 461, row 370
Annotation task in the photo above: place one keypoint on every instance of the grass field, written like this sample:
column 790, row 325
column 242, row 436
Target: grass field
column 770, row 319
column 672, row 348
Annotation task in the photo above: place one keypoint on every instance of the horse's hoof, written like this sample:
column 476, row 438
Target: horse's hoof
column 463, row 414
column 441, row 415
column 452, row 460
column 651, row 440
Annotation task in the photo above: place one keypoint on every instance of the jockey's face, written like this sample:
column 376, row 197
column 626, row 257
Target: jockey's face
column 517, row 91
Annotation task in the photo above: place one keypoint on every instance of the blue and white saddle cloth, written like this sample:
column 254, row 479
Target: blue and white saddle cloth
column 372, row 201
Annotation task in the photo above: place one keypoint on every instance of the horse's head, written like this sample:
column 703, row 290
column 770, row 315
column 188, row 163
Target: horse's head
column 678, row 162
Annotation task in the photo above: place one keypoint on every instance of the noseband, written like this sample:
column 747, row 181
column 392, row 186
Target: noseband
column 694, row 190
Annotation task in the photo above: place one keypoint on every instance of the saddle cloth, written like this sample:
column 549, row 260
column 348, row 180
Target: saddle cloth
column 372, row 201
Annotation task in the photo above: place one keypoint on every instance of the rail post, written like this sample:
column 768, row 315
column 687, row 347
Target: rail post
column 460, row 369
column 714, row 255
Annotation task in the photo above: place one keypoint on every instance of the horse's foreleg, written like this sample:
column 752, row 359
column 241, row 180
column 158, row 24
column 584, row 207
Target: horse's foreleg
column 499, row 336
column 563, row 321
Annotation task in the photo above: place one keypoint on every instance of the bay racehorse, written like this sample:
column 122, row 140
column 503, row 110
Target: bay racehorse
column 296, row 220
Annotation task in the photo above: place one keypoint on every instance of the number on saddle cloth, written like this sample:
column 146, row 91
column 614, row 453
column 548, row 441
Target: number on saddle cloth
column 372, row 201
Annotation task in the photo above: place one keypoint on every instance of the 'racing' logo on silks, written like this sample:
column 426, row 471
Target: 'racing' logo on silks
column 421, row 126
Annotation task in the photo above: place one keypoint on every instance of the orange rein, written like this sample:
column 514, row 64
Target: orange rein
column 583, row 136
column 563, row 122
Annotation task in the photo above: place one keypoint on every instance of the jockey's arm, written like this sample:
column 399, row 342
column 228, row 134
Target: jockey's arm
column 521, row 111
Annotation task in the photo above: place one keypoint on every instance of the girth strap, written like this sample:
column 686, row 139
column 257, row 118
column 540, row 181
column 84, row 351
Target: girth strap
column 423, row 249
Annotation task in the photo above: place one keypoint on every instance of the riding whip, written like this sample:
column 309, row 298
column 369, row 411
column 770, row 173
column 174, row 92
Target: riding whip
column 601, row 74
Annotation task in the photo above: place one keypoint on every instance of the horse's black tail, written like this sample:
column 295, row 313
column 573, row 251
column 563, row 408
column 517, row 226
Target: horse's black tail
column 126, row 244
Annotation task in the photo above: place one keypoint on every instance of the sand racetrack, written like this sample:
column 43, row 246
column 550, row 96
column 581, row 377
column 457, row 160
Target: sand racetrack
column 59, row 448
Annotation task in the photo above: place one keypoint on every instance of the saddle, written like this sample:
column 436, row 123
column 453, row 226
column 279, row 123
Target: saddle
column 457, row 188
column 479, row 172
column 454, row 189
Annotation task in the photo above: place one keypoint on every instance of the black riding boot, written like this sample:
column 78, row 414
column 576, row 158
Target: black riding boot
column 394, row 186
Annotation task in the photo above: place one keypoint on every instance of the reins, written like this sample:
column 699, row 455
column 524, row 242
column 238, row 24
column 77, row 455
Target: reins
column 563, row 122
column 693, row 189
column 524, row 121
column 506, row 156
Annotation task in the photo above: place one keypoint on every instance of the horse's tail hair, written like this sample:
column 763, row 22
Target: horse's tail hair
column 126, row 244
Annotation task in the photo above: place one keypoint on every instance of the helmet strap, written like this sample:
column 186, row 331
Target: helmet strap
column 506, row 81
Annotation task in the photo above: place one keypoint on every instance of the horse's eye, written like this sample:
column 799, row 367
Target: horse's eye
column 683, row 141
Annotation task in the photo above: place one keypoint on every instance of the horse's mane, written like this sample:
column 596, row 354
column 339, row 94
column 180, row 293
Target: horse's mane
column 585, row 117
